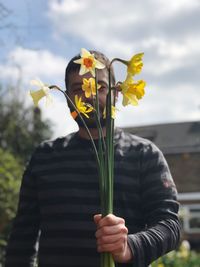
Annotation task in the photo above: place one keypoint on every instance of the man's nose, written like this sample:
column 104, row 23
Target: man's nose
column 89, row 99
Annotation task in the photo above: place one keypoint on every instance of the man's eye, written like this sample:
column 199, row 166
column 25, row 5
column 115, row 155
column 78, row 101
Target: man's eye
column 103, row 88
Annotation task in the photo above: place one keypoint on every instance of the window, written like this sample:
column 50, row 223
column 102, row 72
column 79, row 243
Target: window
column 190, row 217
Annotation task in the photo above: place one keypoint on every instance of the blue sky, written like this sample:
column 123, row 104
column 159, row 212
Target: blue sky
column 37, row 38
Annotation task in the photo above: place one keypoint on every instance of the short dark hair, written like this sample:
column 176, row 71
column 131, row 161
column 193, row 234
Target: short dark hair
column 74, row 67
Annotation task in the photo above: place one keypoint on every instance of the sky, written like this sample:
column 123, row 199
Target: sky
column 38, row 38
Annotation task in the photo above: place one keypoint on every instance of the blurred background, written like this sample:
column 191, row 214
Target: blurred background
column 38, row 38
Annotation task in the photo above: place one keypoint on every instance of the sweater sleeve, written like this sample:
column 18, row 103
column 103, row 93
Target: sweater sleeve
column 21, row 248
column 159, row 207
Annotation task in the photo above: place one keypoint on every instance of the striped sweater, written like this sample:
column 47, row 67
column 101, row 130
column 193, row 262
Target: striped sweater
column 60, row 194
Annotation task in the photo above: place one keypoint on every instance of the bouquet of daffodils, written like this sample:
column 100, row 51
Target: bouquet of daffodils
column 131, row 90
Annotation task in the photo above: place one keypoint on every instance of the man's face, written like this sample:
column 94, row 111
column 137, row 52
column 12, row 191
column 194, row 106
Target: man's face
column 75, row 88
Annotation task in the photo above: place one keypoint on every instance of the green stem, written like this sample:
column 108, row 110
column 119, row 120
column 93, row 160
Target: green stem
column 106, row 258
column 118, row 59
column 100, row 130
column 101, row 147
column 79, row 114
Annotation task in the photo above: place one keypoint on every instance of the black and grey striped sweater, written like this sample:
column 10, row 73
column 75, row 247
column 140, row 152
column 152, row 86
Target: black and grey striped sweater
column 60, row 194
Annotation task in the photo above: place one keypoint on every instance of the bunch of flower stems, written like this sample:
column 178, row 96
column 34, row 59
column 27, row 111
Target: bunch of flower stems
column 104, row 154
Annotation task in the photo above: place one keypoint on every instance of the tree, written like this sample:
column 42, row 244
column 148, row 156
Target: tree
column 10, row 176
column 21, row 127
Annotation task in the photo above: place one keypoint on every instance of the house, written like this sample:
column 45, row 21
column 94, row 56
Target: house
column 180, row 143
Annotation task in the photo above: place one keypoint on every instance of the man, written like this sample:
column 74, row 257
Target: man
column 60, row 198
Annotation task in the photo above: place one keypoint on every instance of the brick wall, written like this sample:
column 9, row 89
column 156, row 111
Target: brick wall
column 185, row 169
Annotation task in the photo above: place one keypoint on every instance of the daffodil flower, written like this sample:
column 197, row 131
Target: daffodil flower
column 89, row 87
column 42, row 92
column 113, row 112
column 184, row 250
column 82, row 107
column 132, row 91
column 88, row 63
column 134, row 66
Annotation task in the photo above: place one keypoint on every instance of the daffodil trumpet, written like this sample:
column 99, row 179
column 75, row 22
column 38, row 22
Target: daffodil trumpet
column 134, row 65
column 41, row 93
column 37, row 95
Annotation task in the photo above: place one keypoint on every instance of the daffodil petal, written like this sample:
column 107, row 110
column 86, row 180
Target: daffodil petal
column 90, row 109
column 99, row 65
column 133, row 100
column 78, row 61
column 76, row 100
column 85, row 115
column 125, row 101
column 83, row 70
column 36, row 83
column 85, row 52
column 79, row 101
column 92, row 71
column 49, row 100
column 87, row 94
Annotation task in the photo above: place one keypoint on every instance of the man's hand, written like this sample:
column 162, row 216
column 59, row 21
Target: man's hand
column 111, row 237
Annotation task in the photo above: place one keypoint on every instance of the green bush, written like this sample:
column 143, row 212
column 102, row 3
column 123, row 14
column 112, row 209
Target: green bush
column 10, row 177
column 183, row 257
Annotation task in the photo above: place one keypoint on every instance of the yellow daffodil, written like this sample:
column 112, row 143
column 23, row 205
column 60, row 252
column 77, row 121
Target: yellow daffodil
column 134, row 66
column 184, row 249
column 42, row 92
column 88, row 63
column 82, row 107
column 113, row 112
column 89, row 87
column 132, row 91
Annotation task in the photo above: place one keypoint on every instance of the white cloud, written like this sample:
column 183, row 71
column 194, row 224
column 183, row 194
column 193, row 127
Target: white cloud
column 67, row 7
column 96, row 22
column 120, row 29
column 29, row 64
column 100, row 23
column 171, row 8
column 172, row 55
column 159, row 106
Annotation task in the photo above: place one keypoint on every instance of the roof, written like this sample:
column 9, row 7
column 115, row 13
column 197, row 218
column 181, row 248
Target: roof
column 181, row 137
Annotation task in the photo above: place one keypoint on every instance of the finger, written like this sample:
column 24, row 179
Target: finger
column 115, row 248
column 109, row 239
column 111, row 230
column 110, row 219
column 97, row 218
